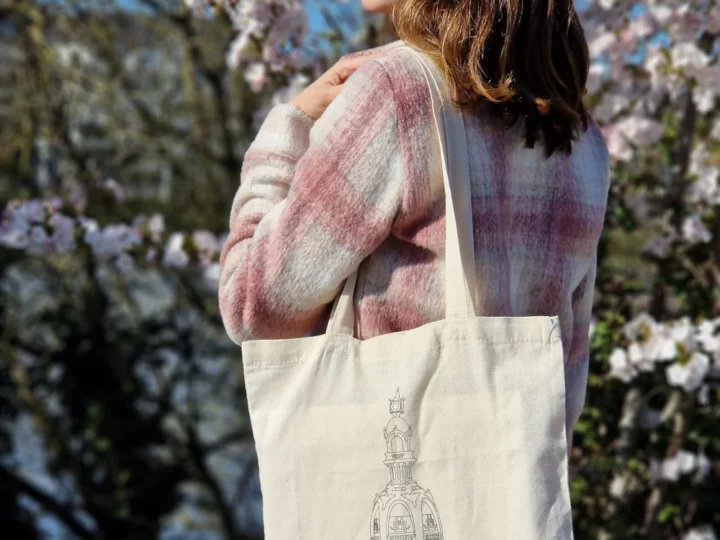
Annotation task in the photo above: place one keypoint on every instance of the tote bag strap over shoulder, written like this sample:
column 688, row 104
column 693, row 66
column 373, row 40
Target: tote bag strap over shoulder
column 459, row 245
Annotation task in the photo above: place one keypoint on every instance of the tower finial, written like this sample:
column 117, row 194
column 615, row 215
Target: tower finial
column 397, row 404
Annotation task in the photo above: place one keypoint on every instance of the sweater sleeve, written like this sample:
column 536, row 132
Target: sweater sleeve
column 314, row 200
column 576, row 370
column 582, row 305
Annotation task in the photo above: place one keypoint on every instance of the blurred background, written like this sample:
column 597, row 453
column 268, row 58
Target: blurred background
column 123, row 126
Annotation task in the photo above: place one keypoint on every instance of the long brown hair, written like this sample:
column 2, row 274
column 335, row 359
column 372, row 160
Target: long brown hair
column 521, row 58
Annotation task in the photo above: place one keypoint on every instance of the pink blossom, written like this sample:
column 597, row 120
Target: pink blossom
column 620, row 367
column 88, row 224
column 124, row 263
column 271, row 29
column 688, row 55
column 237, row 50
column 662, row 14
column 705, row 188
column 707, row 336
column 211, row 275
column 691, row 374
column 704, row 532
column 110, row 241
column 78, row 199
column 610, row 105
column 205, row 242
column 707, row 87
column 14, row 233
column 156, row 227
column 115, row 188
column 656, row 64
column 639, row 359
column 14, row 238
column 256, row 76
column 175, row 256
column 63, row 235
column 694, row 230
column 151, row 255
column 32, row 211
column 21, row 226
column 601, row 43
column 206, row 245
column 715, row 133
column 640, row 327
column 616, row 143
column 682, row 333
column 639, row 130
column 199, row 8
column 53, row 204
column 658, row 246
column 39, row 241
column 683, row 462
column 713, row 20
column 642, row 26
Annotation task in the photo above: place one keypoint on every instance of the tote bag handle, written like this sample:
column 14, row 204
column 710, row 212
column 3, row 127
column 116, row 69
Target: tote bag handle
column 459, row 243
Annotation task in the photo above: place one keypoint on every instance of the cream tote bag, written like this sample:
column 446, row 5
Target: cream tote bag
column 454, row 430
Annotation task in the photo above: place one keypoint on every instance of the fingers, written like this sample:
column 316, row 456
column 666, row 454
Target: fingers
column 314, row 99
column 347, row 65
column 333, row 92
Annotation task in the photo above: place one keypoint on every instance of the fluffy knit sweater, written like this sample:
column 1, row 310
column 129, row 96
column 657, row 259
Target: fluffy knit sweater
column 362, row 186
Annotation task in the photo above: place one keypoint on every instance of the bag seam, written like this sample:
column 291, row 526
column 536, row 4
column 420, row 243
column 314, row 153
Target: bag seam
column 293, row 361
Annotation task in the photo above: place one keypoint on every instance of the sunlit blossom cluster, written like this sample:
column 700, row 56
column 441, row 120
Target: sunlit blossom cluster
column 269, row 36
column 40, row 228
column 659, row 39
column 682, row 464
column 700, row 533
column 689, row 354
column 650, row 59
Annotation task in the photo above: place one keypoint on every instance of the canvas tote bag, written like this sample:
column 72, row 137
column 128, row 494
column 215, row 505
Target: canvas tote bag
column 454, row 430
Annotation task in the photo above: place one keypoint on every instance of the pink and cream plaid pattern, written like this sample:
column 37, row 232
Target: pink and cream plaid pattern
column 363, row 186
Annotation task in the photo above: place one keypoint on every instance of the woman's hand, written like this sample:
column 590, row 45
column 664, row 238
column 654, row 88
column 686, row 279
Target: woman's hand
column 315, row 98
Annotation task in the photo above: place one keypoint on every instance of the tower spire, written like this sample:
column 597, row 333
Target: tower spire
column 397, row 405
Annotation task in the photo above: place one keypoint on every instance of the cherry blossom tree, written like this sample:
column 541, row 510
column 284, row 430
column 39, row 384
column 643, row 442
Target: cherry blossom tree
column 647, row 449
column 653, row 88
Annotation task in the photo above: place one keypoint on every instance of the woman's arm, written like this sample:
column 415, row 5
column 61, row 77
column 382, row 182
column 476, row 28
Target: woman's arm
column 310, row 208
column 576, row 371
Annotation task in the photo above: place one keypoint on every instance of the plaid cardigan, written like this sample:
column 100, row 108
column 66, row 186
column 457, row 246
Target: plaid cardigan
column 363, row 186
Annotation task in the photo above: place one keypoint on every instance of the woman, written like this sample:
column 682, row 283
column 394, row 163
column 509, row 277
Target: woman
column 349, row 174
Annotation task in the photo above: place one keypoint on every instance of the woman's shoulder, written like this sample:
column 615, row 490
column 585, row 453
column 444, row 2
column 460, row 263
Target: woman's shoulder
column 397, row 73
column 387, row 48
column 397, row 58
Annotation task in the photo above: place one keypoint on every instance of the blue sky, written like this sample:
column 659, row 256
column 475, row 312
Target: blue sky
column 314, row 18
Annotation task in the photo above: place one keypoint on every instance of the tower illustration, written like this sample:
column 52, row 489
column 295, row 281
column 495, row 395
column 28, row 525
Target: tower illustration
column 403, row 510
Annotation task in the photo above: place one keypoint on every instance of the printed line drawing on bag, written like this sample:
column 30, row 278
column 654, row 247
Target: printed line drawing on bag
column 403, row 510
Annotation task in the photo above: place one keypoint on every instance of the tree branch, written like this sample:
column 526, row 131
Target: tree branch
column 63, row 512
